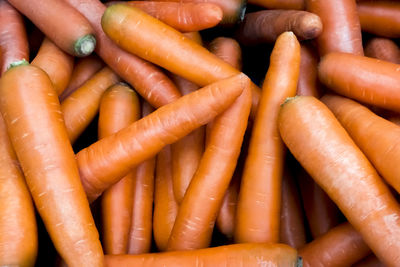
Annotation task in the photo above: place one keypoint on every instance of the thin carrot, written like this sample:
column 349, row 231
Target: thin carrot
column 148, row 80
column 266, row 25
column 279, row 4
column 106, row 161
column 231, row 255
column 56, row 63
column 323, row 147
column 259, row 204
column 341, row 246
column 13, row 38
column 19, row 237
column 370, row 261
column 177, row 53
column 368, row 80
column 82, row 105
column 35, row 125
column 383, row 48
column 61, row 23
column 228, row 50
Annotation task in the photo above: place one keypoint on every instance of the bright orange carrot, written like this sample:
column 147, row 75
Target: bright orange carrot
column 177, row 53
column 326, row 151
column 13, row 39
column 35, row 125
column 56, row 63
column 383, row 48
column 231, row 255
column 119, row 107
column 82, row 105
column 143, row 139
column 148, row 80
column 279, row 4
column 18, row 238
column 259, row 204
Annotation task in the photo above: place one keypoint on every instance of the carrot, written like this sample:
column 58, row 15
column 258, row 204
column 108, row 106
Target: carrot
column 231, row 255
column 370, row 261
column 57, row 64
column 199, row 208
column 82, row 105
column 184, row 17
column 326, row 151
column 368, row 80
column 119, row 107
column 61, row 23
column 145, row 138
column 149, row 81
column 228, row 50
column 13, row 39
column 266, row 25
column 165, row 205
column 178, row 54
column 19, row 238
column 342, row 32
column 35, row 125
column 341, row 246
column 383, row 48
column 259, row 204
column 279, row 4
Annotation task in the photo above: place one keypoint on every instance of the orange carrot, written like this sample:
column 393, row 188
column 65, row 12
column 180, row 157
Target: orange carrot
column 279, row 4
column 82, row 105
column 145, row 138
column 232, row 256
column 383, row 48
column 326, row 151
column 259, row 204
column 228, row 50
column 13, row 39
column 370, row 261
column 57, row 64
column 35, row 125
column 148, row 80
column 61, row 23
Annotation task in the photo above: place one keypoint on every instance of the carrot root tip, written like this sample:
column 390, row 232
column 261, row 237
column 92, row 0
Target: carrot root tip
column 85, row 45
column 18, row 63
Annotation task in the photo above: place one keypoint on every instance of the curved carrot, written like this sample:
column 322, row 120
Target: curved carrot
column 57, row 64
column 143, row 139
column 323, row 147
column 178, row 54
column 383, row 48
column 165, row 205
column 370, row 261
column 259, row 204
column 368, row 80
column 13, row 38
column 231, row 255
column 266, row 25
column 119, row 107
column 19, row 237
column 228, row 50
column 61, row 23
column 82, row 105
column 148, row 80
column 34, row 121
column 279, row 4
column 342, row 31
column 341, row 246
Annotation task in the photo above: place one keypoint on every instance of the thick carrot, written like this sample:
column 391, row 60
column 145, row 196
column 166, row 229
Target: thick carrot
column 370, row 261
column 279, row 4
column 228, row 50
column 82, row 105
column 61, row 23
column 231, row 255
column 323, row 147
column 342, row 31
column 56, row 63
column 341, row 246
column 148, row 80
column 35, row 125
column 18, row 238
column 368, row 80
column 266, row 25
column 165, row 205
column 199, row 208
column 106, row 161
column 119, row 107
column 13, row 38
column 259, row 204
column 383, row 48
column 177, row 53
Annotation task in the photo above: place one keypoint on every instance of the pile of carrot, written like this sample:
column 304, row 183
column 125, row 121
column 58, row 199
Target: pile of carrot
column 140, row 133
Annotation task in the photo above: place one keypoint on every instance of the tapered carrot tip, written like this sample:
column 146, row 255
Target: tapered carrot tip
column 312, row 27
column 18, row 63
column 85, row 45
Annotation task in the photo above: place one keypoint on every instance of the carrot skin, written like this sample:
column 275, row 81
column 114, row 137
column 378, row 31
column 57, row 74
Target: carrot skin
column 228, row 50
column 384, row 49
column 370, row 261
column 279, row 4
column 35, row 125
